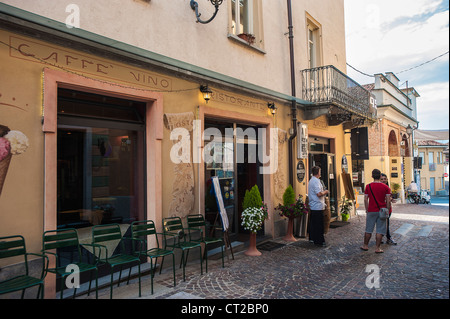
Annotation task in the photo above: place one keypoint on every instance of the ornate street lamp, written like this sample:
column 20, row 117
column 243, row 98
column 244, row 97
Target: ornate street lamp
column 409, row 130
column 206, row 91
column 194, row 6
column 272, row 107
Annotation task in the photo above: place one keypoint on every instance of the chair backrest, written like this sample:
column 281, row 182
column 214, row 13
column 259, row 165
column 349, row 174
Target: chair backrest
column 172, row 224
column 102, row 233
column 144, row 228
column 196, row 221
column 61, row 238
column 12, row 246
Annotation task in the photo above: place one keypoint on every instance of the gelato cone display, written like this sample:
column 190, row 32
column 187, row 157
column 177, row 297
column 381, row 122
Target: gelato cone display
column 11, row 143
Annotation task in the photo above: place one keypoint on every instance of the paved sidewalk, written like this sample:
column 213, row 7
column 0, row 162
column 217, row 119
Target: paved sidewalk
column 418, row 267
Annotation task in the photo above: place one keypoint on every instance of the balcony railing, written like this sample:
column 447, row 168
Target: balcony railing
column 327, row 85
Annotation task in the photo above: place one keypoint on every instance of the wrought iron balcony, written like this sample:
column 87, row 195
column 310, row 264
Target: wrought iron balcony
column 327, row 87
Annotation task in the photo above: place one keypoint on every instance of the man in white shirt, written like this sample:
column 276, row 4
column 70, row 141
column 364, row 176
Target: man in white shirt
column 316, row 195
column 413, row 188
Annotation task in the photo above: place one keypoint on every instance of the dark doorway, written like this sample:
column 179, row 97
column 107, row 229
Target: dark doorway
column 238, row 167
column 327, row 164
column 248, row 167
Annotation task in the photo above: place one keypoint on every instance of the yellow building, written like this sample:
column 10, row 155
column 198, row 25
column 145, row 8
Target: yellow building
column 434, row 166
column 390, row 142
column 118, row 113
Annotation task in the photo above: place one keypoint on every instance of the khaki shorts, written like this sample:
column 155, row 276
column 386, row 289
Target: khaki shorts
column 372, row 219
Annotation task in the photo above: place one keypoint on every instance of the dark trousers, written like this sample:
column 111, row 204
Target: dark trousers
column 316, row 227
column 388, row 234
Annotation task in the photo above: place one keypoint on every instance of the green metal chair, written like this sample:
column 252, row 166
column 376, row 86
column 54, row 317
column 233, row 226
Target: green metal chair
column 108, row 233
column 173, row 228
column 66, row 242
column 14, row 246
column 147, row 228
column 198, row 224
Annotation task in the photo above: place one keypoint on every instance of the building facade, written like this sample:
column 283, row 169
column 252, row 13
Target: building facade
column 125, row 117
column 434, row 166
column 390, row 143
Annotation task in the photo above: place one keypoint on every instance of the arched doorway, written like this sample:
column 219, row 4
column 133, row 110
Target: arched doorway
column 405, row 150
column 393, row 145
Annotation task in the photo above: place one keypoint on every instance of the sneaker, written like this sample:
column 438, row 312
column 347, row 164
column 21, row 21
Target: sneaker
column 390, row 242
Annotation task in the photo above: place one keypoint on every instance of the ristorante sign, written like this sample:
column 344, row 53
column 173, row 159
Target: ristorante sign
column 69, row 60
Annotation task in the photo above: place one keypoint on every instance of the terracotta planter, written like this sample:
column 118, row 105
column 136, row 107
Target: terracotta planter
column 290, row 231
column 250, row 38
column 252, row 250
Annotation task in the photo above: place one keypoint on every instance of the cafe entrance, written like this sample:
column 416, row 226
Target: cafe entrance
column 320, row 155
column 233, row 148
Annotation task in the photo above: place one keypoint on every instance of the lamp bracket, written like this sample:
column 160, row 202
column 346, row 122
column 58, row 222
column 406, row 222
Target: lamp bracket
column 194, row 6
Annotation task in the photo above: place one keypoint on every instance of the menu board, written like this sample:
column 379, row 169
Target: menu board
column 220, row 205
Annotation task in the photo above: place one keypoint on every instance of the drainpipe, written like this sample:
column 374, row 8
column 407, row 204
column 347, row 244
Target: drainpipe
column 294, row 103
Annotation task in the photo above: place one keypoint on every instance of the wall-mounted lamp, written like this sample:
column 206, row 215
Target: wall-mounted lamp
column 194, row 6
column 206, row 91
column 409, row 129
column 272, row 107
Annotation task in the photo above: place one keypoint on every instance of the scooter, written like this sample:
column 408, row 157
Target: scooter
column 425, row 197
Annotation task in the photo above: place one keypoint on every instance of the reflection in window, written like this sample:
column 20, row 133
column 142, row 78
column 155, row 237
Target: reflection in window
column 100, row 153
column 98, row 176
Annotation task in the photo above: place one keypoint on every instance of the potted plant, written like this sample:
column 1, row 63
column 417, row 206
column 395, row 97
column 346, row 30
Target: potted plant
column 395, row 189
column 345, row 205
column 291, row 209
column 253, row 216
column 250, row 38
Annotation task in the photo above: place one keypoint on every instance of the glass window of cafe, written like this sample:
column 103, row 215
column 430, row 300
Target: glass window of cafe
column 101, row 155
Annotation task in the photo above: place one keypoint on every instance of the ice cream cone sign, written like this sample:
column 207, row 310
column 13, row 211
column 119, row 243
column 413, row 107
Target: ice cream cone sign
column 11, row 143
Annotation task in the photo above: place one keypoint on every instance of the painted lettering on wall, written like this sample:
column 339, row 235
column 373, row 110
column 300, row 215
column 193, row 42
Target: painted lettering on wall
column 230, row 99
column 321, row 122
column 53, row 56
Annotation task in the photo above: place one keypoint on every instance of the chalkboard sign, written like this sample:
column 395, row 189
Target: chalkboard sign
column 220, row 205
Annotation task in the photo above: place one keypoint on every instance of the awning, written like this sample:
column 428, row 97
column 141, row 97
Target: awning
column 424, row 135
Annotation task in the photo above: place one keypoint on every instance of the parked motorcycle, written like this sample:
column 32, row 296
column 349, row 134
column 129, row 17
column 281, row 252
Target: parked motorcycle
column 425, row 197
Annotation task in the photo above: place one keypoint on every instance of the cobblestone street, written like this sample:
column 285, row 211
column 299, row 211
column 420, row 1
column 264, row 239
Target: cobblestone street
column 416, row 268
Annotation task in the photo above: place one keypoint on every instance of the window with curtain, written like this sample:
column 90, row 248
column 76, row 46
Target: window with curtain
column 314, row 59
column 246, row 20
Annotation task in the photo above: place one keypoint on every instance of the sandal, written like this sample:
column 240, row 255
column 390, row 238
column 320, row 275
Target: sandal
column 365, row 249
column 379, row 251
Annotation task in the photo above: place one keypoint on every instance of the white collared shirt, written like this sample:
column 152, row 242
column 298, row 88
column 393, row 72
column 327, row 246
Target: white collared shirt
column 315, row 187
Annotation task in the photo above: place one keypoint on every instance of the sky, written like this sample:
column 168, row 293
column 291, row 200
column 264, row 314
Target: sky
column 396, row 35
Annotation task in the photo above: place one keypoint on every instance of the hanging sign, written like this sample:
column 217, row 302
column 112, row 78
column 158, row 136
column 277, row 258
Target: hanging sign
column 302, row 141
column 301, row 172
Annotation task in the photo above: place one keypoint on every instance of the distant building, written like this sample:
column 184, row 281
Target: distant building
column 434, row 157
column 390, row 146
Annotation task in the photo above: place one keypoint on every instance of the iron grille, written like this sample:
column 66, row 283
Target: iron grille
column 327, row 85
